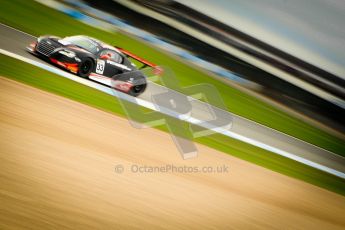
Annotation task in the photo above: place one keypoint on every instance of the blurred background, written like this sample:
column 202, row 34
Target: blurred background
column 293, row 50
column 278, row 66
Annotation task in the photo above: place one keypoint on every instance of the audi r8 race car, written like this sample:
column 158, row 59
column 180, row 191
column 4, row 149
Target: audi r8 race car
column 93, row 59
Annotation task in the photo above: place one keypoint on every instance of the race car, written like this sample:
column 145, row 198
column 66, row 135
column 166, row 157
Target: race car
column 94, row 59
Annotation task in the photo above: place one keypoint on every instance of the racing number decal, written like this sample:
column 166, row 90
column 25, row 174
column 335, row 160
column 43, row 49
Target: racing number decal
column 100, row 66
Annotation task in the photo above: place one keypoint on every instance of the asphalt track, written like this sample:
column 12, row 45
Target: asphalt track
column 15, row 41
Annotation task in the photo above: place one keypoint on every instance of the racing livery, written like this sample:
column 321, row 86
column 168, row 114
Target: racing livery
column 93, row 59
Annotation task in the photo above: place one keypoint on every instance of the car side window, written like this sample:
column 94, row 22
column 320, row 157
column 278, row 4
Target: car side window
column 113, row 56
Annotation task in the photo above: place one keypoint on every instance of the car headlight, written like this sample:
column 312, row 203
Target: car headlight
column 77, row 59
column 67, row 53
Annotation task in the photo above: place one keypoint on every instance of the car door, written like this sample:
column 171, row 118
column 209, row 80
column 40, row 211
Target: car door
column 109, row 63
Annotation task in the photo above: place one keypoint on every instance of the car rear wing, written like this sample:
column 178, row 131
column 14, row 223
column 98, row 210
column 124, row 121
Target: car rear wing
column 132, row 55
column 156, row 69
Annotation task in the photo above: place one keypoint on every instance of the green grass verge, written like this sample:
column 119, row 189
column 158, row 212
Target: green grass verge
column 37, row 19
column 45, row 80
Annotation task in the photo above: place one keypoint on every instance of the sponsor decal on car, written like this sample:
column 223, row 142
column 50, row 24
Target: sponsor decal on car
column 118, row 65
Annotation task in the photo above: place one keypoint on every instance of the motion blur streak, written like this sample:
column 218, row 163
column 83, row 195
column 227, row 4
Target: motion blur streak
column 324, row 156
column 57, row 162
column 242, row 129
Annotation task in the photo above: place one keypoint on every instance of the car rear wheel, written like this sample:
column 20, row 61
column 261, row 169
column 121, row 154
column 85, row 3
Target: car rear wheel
column 85, row 68
column 136, row 90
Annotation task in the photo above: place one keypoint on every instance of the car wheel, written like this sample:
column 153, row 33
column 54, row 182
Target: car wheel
column 136, row 90
column 85, row 68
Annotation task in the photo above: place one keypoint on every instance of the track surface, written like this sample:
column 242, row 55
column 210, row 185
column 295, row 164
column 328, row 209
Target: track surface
column 16, row 41
column 57, row 160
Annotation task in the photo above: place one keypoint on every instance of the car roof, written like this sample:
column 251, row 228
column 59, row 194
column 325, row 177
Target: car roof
column 100, row 43
column 103, row 44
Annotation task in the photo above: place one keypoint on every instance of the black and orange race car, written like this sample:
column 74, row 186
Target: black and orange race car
column 96, row 60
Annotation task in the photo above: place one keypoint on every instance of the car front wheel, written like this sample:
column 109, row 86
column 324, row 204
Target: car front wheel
column 85, row 68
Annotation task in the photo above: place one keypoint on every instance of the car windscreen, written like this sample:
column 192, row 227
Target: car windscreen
column 83, row 42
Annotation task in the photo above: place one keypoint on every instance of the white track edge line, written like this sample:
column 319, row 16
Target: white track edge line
column 190, row 120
